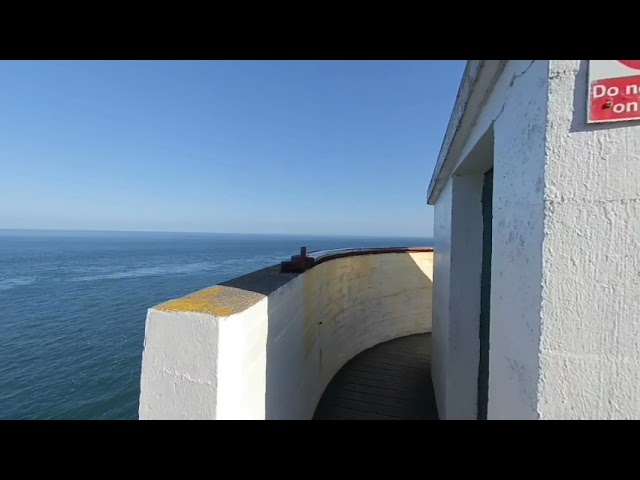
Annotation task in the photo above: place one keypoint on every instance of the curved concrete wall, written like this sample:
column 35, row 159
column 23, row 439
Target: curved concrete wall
column 266, row 345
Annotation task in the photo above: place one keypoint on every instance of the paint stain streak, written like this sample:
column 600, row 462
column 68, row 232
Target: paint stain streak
column 310, row 300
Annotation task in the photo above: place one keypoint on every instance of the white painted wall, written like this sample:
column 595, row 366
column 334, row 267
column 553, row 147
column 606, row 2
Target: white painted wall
column 274, row 359
column 565, row 303
column 519, row 151
column 179, row 365
column 464, row 306
column 590, row 352
column 516, row 111
column 441, row 291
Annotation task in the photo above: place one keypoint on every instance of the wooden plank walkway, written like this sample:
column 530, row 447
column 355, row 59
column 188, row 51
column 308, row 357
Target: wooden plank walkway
column 391, row 381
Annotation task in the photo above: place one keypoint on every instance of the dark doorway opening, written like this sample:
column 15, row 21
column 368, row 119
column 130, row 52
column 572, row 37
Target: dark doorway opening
column 485, row 295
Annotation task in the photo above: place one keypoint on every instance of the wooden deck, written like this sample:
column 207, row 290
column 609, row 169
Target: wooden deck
column 391, row 381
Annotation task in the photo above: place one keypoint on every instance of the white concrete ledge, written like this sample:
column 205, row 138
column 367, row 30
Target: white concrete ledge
column 266, row 345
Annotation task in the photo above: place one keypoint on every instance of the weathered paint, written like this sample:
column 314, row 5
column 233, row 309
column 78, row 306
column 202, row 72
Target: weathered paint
column 312, row 288
column 274, row 359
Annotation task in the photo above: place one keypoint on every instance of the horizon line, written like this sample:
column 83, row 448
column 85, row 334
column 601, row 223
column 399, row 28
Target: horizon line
column 210, row 233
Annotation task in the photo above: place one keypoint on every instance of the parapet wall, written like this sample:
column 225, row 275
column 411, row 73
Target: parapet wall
column 265, row 346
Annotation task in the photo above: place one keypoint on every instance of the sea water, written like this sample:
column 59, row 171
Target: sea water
column 73, row 307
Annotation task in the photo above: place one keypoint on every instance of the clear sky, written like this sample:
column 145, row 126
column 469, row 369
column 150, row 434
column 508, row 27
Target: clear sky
column 300, row 147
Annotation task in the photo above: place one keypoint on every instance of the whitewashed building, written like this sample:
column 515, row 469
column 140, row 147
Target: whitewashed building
column 536, row 297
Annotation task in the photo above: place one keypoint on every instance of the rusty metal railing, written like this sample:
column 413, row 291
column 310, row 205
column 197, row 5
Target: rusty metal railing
column 305, row 261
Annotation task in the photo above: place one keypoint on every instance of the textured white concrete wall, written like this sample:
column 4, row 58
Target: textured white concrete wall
column 516, row 111
column 565, row 301
column 464, row 306
column 519, row 151
column 242, row 363
column 441, row 291
column 366, row 300
column 274, row 359
column 590, row 352
column 179, row 366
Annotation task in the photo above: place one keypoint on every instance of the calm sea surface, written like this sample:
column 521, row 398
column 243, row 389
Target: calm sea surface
column 73, row 306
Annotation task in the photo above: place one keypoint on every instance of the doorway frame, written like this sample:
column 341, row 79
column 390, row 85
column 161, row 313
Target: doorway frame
column 465, row 291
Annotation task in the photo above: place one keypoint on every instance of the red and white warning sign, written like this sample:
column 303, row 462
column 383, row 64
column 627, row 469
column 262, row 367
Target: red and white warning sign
column 614, row 90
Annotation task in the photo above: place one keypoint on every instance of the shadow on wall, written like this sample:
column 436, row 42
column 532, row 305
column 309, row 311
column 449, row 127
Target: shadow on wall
column 317, row 321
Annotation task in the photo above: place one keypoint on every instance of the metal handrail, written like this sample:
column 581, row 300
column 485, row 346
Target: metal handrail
column 305, row 261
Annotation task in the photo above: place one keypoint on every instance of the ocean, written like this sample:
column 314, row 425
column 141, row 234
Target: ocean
column 73, row 306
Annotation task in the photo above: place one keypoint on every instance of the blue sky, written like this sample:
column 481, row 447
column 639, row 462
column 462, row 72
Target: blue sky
column 301, row 147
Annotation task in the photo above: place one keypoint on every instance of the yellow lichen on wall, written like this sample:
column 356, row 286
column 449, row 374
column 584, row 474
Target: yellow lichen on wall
column 329, row 289
column 203, row 301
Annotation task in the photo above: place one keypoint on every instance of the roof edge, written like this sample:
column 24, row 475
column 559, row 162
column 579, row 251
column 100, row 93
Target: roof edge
column 477, row 81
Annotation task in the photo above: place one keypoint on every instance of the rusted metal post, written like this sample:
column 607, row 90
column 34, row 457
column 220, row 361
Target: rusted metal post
column 298, row 263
